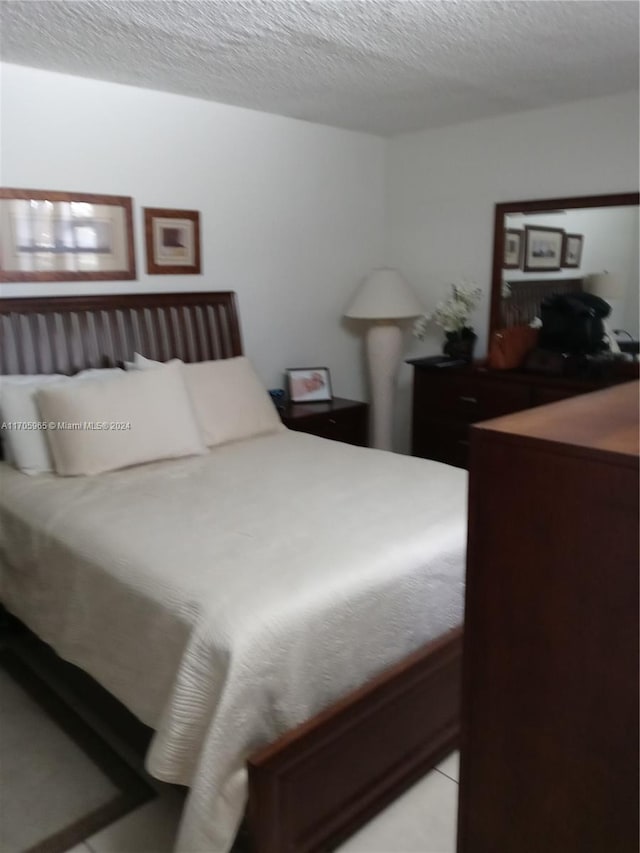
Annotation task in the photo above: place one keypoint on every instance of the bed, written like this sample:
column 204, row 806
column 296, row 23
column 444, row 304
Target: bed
column 260, row 692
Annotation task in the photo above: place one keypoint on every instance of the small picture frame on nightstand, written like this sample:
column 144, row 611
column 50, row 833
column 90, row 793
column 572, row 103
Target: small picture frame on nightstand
column 309, row 384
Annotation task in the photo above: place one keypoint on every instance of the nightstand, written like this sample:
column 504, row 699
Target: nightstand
column 338, row 419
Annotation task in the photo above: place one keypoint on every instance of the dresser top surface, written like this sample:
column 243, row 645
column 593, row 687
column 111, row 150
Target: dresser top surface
column 320, row 408
column 602, row 422
column 618, row 372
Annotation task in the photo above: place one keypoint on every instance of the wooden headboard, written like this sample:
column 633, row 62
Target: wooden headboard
column 526, row 296
column 66, row 334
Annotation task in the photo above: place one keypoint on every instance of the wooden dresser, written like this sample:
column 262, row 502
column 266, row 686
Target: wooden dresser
column 549, row 746
column 447, row 400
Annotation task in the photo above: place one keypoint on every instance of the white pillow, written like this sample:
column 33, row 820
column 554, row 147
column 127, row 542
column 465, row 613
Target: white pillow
column 154, row 403
column 141, row 363
column 98, row 373
column 229, row 400
column 26, row 446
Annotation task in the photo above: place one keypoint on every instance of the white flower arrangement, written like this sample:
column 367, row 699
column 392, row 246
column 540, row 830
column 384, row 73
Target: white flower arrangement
column 452, row 314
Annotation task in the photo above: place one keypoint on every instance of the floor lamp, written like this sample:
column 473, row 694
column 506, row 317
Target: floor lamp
column 384, row 299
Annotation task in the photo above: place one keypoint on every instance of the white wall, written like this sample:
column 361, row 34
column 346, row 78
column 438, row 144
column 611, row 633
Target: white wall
column 442, row 186
column 292, row 213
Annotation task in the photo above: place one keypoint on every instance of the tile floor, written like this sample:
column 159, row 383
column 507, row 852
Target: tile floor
column 423, row 820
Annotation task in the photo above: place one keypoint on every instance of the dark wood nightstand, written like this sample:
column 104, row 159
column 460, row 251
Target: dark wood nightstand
column 338, row 419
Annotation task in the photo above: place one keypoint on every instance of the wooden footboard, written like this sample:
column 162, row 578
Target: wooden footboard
column 319, row 782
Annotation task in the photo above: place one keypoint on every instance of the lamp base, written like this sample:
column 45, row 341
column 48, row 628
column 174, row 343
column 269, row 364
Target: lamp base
column 384, row 352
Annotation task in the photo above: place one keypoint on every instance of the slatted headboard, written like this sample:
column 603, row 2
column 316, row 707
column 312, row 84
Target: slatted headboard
column 66, row 334
column 527, row 295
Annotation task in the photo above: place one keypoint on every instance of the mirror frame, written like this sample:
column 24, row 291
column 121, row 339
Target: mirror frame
column 541, row 204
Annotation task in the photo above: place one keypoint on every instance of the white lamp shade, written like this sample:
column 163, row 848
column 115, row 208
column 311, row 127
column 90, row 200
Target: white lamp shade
column 384, row 295
column 606, row 285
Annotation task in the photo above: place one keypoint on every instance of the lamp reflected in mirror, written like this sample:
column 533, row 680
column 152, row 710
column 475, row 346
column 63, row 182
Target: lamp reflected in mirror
column 606, row 285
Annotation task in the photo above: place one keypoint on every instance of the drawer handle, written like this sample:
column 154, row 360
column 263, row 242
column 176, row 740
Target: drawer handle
column 463, row 441
column 332, row 421
column 473, row 400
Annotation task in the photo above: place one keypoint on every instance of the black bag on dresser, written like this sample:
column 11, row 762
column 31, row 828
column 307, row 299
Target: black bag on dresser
column 572, row 323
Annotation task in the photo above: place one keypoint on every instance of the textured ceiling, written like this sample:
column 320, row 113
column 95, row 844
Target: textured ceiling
column 382, row 66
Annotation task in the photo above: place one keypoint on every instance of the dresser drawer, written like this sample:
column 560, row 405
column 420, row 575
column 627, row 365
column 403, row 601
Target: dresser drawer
column 442, row 441
column 347, row 424
column 466, row 397
column 544, row 395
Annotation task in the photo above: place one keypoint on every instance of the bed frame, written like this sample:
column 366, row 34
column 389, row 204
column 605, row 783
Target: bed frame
column 319, row 782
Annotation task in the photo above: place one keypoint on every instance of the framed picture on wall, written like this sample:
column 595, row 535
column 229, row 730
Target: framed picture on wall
column 173, row 241
column 542, row 248
column 309, row 384
column 572, row 250
column 48, row 235
column 513, row 248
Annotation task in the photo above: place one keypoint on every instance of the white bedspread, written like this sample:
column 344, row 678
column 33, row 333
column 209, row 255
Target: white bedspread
column 226, row 598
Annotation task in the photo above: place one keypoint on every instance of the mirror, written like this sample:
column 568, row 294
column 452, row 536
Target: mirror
column 563, row 245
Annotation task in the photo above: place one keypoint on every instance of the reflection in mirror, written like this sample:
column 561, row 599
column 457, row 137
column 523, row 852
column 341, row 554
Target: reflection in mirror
column 554, row 246
column 602, row 240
